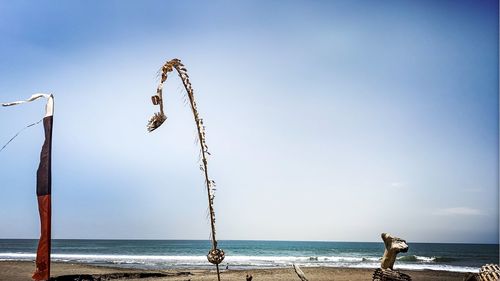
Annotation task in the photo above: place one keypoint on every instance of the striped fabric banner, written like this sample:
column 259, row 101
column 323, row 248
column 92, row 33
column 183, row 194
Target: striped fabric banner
column 43, row 189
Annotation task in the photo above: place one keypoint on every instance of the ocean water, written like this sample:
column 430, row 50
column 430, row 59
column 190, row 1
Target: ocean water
column 164, row 254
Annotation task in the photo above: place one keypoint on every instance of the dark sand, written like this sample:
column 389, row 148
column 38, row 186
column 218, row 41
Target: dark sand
column 21, row 271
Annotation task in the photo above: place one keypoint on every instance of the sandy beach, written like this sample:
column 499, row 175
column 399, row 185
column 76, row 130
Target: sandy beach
column 21, row 271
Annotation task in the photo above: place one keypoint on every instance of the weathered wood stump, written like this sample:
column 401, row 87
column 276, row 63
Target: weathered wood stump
column 389, row 275
column 393, row 246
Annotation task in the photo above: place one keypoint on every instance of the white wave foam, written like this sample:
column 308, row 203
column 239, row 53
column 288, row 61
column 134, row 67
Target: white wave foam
column 414, row 258
column 425, row 259
column 438, row 267
column 158, row 261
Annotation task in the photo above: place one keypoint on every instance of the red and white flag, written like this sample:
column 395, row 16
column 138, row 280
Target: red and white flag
column 43, row 189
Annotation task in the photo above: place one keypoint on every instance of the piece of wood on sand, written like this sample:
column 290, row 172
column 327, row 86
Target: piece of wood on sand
column 299, row 272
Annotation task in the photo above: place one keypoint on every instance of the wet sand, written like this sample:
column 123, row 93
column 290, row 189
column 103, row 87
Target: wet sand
column 21, row 271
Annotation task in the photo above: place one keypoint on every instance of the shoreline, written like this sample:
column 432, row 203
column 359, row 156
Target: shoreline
column 22, row 270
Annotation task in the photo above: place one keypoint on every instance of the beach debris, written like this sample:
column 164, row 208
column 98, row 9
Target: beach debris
column 389, row 275
column 43, row 188
column 393, row 246
column 300, row 273
column 215, row 255
column 488, row 272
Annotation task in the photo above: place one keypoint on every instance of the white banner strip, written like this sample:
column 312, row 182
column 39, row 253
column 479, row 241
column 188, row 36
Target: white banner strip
column 49, row 107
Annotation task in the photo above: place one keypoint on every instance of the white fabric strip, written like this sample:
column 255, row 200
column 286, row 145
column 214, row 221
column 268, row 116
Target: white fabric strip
column 49, row 107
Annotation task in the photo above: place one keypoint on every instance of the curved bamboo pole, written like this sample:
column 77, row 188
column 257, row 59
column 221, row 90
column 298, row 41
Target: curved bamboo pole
column 215, row 255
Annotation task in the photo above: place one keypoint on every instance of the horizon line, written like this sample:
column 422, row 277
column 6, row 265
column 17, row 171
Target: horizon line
column 254, row 240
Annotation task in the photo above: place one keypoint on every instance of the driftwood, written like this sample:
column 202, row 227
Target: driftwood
column 299, row 272
column 393, row 246
column 488, row 272
column 389, row 275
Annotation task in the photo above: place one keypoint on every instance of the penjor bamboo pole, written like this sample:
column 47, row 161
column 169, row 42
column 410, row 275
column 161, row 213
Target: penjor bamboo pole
column 205, row 168
column 215, row 255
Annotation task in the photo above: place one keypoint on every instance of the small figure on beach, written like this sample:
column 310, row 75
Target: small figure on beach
column 249, row 277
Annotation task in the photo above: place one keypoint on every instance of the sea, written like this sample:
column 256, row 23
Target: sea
column 242, row 254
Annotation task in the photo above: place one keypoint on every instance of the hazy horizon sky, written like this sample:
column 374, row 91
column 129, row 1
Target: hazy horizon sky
column 326, row 120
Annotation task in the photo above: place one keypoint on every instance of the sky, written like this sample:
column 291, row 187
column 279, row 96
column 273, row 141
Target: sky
column 326, row 120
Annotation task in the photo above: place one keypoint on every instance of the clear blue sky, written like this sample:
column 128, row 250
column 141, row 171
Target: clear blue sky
column 327, row 120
